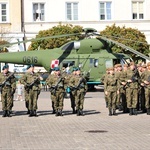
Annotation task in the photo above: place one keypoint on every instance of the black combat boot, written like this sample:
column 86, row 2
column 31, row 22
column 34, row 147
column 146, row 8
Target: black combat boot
column 4, row 113
column 148, row 111
column 81, row 112
column 78, row 113
column 31, row 113
column 57, row 113
column 130, row 111
column 60, row 113
column 114, row 112
column 134, row 111
column 73, row 111
column 8, row 113
column 53, row 112
column 110, row 112
column 28, row 111
column 34, row 113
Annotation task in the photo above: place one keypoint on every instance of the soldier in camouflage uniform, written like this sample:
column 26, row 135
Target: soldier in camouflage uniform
column 31, row 81
column 8, row 87
column 79, row 86
column 111, row 90
column 146, row 83
column 132, row 86
column 56, row 84
column 103, row 78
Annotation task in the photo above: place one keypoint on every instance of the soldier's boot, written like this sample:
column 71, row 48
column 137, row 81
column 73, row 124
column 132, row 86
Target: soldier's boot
column 57, row 113
column 114, row 112
column 35, row 113
column 31, row 113
column 73, row 111
column 4, row 113
column 60, row 113
column 81, row 112
column 148, row 111
column 78, row 113
column 53, row 112
column 8, row 113
column 134, row 111
column 130, row 111
column 28, row 111
column 110, row 112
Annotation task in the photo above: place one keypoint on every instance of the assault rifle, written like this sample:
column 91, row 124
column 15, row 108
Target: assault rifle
column 79, row 85
column 54, row 88
column 29, row 85
column 6, row 80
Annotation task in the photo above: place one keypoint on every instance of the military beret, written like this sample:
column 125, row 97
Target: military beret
column 29, row 66
column 5, row 67
column 56, row 69
column 148, row 64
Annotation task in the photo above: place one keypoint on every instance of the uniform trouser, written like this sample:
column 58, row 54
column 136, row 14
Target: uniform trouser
column 33, row 96
column 72, row 99
column 26, row 95
column 58, row 99
column 79, row 99
column 53, row 99
column 6, row 99
column 147, row 98
column 132, row 97
column 141, row 99
column 112, row 99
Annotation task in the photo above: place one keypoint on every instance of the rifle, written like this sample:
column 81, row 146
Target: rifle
column 53, row 88
column 32, row 83
column 6, row 80
column 78, row 86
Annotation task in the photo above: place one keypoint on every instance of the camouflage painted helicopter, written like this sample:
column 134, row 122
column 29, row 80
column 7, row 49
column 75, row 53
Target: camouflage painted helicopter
column 92, row 55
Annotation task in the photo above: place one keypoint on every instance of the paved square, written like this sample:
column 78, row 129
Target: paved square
column 94, row 131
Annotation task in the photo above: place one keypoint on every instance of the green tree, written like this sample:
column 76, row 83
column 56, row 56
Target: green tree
column 55, row 42
column 129, row 37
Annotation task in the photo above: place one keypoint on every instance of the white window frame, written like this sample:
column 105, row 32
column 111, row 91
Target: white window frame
column 72, row 15
column 37, row 16
column 1, row 21
column 137, row 10
column 105, row 10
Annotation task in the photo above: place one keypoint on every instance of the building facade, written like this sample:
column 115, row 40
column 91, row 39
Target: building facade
column 28, row 17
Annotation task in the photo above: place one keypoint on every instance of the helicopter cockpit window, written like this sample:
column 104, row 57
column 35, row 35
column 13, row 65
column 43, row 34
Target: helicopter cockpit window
column 116, row 61
column 68, row 46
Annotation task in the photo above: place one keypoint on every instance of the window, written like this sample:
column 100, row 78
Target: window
column 38, row 12
column 3, row 12
column 137, row 10
column 105, row 10
column 72, row 11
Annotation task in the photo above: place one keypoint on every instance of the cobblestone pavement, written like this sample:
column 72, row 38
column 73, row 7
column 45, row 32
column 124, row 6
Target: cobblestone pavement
column 94, row 131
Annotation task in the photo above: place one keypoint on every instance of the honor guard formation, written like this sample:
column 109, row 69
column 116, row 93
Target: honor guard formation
column 126, row 88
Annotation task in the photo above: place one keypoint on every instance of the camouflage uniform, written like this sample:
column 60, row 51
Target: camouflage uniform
column 146, row 80
column 78, row 87
column 7, row 91
column 56, row 85
column 111, row 88
column 31, row 81
column 132, row 89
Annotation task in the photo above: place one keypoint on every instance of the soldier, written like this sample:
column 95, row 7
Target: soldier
column 132, row 89
column 31, row 81
column 111, row 90
column 146, row 81
column 8, row 87
column 79, row 87
column 56, row 84
column 104, row 77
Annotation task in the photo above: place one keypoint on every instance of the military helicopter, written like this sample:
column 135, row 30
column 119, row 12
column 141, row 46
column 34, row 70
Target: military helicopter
column 92, row 55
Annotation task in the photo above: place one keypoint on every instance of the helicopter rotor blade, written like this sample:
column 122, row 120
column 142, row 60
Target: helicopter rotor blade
column 42, row 38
